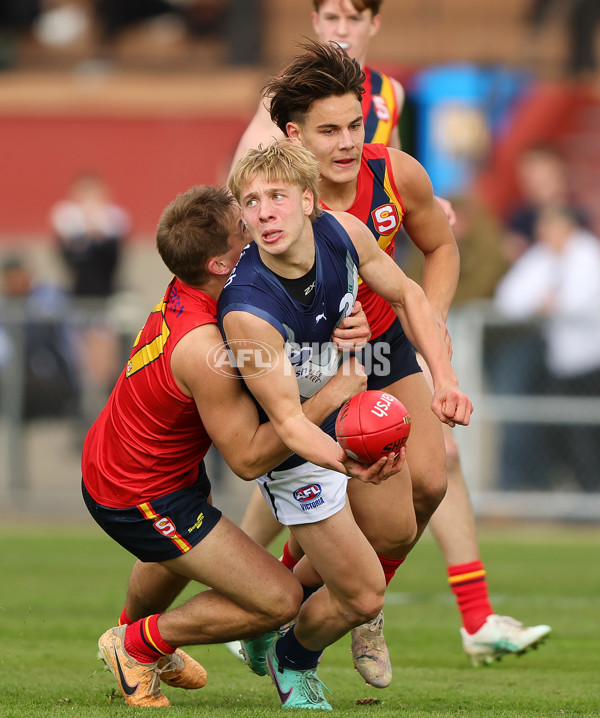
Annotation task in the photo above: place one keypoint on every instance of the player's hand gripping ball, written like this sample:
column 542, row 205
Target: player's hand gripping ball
column 371, row 425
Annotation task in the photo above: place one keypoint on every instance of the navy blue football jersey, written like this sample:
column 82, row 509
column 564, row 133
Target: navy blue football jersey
column 306, row 329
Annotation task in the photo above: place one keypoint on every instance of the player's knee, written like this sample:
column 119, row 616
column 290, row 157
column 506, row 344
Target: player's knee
column 409, row 532
column 281, row 606
column 364, row 607
column 402, row 533
column 428, row 495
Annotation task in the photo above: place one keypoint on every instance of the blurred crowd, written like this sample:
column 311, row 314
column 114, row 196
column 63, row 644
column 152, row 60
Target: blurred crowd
column 100, row 24
column 62, row 334
column 239, row 23
column 539, row 266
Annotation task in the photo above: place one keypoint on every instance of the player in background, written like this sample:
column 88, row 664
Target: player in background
column 352, row 24
column 291, row 287
column 485, row 635
column 143, row 475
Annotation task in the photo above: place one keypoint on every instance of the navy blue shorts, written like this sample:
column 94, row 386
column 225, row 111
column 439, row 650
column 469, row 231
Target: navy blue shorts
column 388, row 358
column 163, row 528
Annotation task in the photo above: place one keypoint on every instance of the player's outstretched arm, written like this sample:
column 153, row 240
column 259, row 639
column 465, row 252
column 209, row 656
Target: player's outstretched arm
column 408, row 300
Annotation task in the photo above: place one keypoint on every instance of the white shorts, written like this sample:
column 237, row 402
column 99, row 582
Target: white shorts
column 305, row 494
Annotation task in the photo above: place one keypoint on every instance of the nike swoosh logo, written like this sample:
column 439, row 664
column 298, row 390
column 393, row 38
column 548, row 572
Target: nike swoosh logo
column 282, row 696
column 127, row 689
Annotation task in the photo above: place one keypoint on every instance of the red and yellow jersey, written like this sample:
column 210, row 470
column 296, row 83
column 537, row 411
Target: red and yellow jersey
column 378, row 205
column 380, row 107
column 149, row 438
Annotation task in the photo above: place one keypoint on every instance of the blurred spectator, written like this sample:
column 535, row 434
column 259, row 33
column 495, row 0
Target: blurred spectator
column 581, row 18
column 62, row 24
column 558, row 279
column 515, row 353
column 479, row 238
column 38, row 334
column 90, row 230
column 543, row 181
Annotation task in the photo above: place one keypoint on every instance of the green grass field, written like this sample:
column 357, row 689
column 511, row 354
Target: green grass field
column 64, row 585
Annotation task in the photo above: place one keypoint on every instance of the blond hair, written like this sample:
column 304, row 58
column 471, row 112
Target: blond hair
column 285, row 161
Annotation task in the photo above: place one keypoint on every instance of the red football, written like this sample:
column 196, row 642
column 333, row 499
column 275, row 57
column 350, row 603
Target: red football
column 371, row 425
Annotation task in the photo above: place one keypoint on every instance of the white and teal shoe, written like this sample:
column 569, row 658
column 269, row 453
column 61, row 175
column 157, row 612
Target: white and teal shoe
column 500, row 636
column 296, row 689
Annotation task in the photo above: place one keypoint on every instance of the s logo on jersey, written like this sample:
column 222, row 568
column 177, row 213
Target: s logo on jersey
column 385, row 219
column 381, row 108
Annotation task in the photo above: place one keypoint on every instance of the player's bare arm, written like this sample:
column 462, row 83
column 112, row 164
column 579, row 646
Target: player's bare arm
column 229, row 414
column 261, row 131
column 277, row 393
column 408, row 300
column 429, row 229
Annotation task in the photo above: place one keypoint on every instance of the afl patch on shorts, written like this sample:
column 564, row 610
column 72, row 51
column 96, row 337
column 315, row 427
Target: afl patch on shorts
column 304, row 494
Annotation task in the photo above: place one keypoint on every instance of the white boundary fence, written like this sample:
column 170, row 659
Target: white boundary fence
column 478, row 443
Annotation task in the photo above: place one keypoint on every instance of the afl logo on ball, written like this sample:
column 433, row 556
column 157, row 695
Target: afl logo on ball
column 307, row 493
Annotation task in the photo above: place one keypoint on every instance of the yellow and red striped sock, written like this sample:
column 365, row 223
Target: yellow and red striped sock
column 390, row 566
column 469, row 585
column 144, row 642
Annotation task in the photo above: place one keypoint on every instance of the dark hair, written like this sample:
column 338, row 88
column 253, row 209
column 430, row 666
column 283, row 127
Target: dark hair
column 324, row 70
column 360, row 5
column 193, row 229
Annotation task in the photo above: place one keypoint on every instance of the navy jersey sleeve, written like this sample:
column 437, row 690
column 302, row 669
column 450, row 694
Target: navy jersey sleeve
column 248, row 290
column 236, row 301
